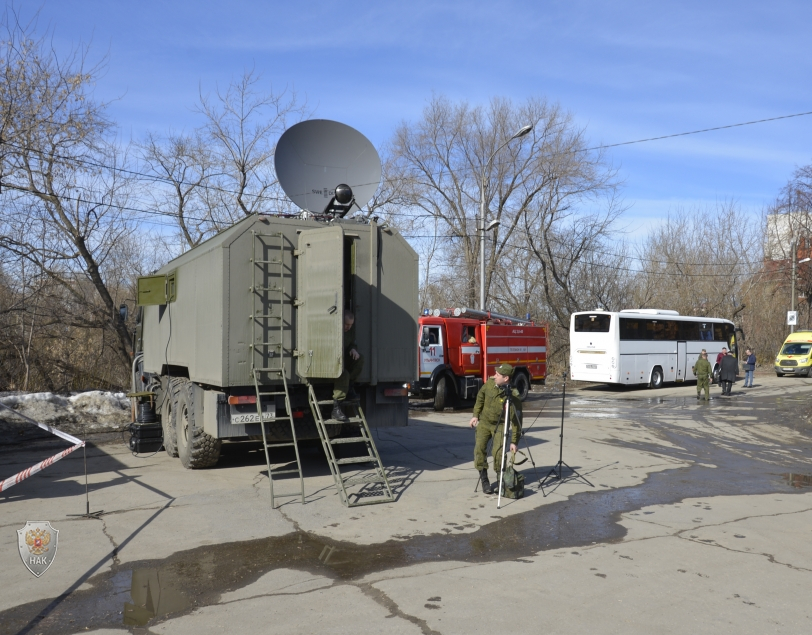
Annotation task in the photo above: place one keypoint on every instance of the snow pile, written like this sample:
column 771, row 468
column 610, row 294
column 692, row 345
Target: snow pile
column 92, row 411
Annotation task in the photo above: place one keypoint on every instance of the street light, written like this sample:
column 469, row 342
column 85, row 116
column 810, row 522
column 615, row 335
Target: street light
column 492, row 225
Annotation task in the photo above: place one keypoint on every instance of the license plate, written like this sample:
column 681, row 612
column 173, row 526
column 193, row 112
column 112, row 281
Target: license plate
column 592, row 366
column 254, row 418
column 247, row 413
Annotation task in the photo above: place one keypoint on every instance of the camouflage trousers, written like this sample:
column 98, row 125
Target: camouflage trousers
column 703, row 383
column 484, row 433
column 352, row 369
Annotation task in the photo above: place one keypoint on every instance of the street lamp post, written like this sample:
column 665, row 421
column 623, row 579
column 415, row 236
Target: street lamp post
column 482, row 229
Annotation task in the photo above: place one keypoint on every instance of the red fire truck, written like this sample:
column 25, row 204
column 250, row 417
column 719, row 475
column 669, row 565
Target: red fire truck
column 460, row 348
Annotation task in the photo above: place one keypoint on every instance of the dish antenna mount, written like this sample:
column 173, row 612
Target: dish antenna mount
column 327, row 167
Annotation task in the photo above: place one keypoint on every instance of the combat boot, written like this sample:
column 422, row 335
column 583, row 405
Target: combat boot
column 486, row 484
column 338, row 413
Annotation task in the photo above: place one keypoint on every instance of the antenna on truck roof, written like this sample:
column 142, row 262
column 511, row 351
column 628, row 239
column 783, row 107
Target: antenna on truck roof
column 326, row 167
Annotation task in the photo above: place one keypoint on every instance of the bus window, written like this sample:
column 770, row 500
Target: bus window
column 706, row 332
column 688, row 331
column 595, row 323
column 630, row 329
column 719, row 333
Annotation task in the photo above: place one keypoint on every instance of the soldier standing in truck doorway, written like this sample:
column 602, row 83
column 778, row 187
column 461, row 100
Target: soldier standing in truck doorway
column 489, row 418
column 353, row 365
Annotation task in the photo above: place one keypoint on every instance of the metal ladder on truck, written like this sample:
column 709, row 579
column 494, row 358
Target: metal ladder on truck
column 376, row 474
column 264, row 323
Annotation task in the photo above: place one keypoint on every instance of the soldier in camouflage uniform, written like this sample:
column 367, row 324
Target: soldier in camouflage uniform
column 702, row 369
column 488, row 419
column 353, row 364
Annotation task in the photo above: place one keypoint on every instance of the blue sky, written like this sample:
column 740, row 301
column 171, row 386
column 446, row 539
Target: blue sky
column 626, row 70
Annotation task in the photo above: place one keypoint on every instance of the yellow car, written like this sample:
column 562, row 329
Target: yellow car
column 795, row 357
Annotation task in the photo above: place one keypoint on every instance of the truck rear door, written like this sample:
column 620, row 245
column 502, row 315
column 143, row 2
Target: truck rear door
column 320, row 293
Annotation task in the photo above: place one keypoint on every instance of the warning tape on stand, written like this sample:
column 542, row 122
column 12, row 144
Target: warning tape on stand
column 21, row 476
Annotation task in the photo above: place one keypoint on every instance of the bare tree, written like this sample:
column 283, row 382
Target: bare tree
column 184, row 167
column 65, row 201
column 535, row 187
column 242, row 125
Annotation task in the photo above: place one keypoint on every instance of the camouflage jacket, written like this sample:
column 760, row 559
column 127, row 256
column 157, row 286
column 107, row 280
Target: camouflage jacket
column 489, row 408
column 702, row 368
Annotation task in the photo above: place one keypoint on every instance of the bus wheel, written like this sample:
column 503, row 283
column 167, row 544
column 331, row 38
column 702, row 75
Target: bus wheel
column 656, row 378
column 522, row 385
column 441, row 397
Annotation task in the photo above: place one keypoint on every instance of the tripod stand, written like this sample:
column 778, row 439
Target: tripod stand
column 558, row 469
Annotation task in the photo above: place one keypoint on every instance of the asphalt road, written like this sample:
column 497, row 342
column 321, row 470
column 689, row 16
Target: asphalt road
column 680, row 517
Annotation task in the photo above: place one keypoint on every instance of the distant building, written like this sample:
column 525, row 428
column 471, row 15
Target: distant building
column 781, row 228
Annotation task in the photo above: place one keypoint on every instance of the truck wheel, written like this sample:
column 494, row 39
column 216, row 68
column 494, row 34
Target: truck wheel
column 196, row 449
column 656, row 378
column 168, row 421
column 522, row 385
column 441, row 396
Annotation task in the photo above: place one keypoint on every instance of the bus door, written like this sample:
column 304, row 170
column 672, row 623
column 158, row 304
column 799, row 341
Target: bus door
column 682, row 360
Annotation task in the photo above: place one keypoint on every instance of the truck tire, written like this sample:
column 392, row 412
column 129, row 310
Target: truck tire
column 168, row 421
column 196, row 449
column 441, row 394
column 522, row 385
column 656, row 378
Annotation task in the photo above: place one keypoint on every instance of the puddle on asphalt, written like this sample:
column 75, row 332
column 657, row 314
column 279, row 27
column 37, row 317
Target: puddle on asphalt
column 141, row 593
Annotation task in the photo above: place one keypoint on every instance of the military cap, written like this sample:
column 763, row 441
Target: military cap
column 505, row 370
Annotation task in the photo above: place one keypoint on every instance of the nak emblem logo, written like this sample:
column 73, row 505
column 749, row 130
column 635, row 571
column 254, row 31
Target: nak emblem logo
column 37, row 542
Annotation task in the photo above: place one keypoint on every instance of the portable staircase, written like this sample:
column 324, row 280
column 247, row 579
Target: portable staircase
column 372, row 475
column 267, row 342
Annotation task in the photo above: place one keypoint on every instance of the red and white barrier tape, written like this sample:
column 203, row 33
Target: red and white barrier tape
column 21, row 476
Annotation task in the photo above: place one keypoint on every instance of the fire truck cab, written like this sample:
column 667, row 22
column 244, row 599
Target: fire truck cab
column 459, row 349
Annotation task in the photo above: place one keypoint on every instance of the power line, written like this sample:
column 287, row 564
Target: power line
column 684, row 134
column 591, row 250
column 171, row 181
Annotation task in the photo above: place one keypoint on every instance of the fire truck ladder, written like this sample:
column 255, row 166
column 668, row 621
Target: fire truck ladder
column 375, row 474
column 268, row 350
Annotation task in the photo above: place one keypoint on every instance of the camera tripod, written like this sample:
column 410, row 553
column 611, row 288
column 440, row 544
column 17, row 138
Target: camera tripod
column 557, row 472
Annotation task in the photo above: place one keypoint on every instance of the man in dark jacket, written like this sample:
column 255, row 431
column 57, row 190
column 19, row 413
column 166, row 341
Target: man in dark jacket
column 730, row 368
column 749, row 368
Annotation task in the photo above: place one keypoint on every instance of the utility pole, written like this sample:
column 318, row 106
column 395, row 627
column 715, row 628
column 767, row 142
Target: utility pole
column 794, row 273
column 483, row 184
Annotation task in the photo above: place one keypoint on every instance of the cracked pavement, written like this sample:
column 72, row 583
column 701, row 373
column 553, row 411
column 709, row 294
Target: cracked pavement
column 693, row 526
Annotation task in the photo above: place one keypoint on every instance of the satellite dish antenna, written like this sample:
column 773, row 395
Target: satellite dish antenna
column 326, row 166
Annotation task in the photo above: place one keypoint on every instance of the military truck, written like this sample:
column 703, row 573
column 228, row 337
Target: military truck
column 251, row 320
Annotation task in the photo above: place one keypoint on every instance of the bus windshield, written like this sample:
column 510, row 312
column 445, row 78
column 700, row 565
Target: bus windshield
column 796, row 348
column 596, row 323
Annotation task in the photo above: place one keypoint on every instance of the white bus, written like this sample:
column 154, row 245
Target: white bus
column 643, row 346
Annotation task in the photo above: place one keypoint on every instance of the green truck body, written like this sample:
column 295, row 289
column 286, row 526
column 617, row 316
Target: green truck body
column 270, row 292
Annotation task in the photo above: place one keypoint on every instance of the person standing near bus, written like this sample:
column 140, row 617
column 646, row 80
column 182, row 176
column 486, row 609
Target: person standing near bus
column 702, row 370
column 749, row 368
column 718, row 367
column 730, row 368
